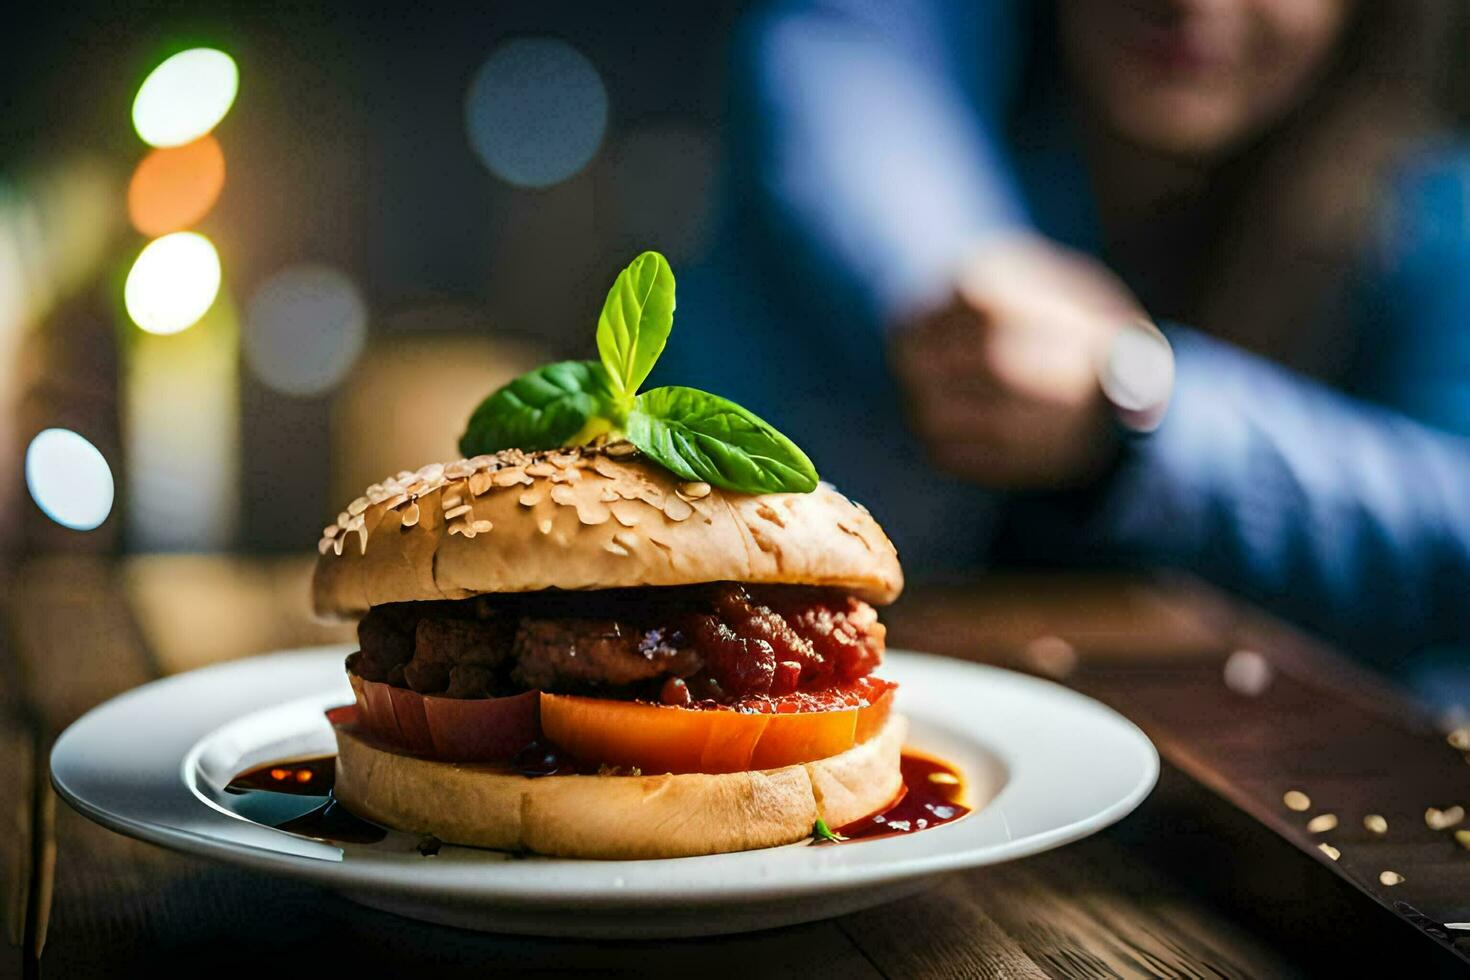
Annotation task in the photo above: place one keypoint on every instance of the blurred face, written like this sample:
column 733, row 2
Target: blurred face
column 1193, row 78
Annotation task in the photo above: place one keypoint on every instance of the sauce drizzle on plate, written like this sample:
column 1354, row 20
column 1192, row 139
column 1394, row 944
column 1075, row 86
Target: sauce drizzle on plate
column 933, row 794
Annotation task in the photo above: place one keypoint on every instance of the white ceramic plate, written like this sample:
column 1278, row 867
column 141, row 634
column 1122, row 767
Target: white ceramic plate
column 1045, row 766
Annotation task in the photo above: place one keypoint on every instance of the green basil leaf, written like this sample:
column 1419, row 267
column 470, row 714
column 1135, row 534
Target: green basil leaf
column 705, row 437
column 635, row 322
column 541, row 409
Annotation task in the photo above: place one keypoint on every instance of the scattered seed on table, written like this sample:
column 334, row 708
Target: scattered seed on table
column 1390, row 878
column 1322, row 823
column 1438, row 819
column 1375, row 824
column 1296, row 800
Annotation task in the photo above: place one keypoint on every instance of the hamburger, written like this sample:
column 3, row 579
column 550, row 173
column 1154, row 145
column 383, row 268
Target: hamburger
column 607, row 641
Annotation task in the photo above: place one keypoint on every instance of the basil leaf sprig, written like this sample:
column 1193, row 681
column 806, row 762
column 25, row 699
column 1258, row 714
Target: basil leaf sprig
column 695, row 434
column 636, row 319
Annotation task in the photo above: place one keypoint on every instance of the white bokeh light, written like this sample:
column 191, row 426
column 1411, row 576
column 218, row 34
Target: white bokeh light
column 185, row 97
column 69, row 479
column 304, row 329
column 536, row 111
column 173, row 282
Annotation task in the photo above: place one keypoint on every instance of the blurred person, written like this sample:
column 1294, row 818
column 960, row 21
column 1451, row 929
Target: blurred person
column 961, row 207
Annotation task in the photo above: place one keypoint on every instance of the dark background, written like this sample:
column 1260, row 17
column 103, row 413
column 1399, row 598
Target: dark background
column 347, row 145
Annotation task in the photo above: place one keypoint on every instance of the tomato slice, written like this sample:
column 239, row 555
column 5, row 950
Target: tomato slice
column 413, row 724
column 654, row 738
column 803, row 736
column 451, row 729
column 482, row 729
column 658, row 738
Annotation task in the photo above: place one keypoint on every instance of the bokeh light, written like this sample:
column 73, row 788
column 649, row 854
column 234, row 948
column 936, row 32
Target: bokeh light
column 536, row 111
column 185, row 97
column 173, row 282
column 304, row 328
column 69, row 479
column 176, row 186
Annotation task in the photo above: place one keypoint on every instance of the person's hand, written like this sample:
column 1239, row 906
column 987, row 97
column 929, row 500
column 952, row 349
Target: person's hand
column 1005, row 382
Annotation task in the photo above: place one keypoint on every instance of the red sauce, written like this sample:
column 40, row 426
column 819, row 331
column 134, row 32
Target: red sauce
column 933, row 794
column 309, row 777
column 304, row 777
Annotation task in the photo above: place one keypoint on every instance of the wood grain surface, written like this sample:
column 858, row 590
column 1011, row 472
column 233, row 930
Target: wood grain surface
column 1190, row 885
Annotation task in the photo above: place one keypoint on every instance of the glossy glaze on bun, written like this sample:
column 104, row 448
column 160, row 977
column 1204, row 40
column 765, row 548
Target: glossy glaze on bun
column 617, row 817
column 588, row 518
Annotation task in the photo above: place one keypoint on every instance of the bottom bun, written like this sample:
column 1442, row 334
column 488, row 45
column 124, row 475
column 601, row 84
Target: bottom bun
column 617, row 817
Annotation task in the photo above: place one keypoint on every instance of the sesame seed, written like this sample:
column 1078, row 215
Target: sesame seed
column 615, row 548
column 545, row 526
column 451, row 500
column 1459, row 738
column 1329, row 850
column 541, row 469
column 1438, row 819
column 410, row 515
column 324, row 545
column 1296, row 800
column 1390, row 878
column 459, row 511
column 944, row 778
column 330, row 531
column 1462, row 837
column 1322, row 823
column 1375, row 824
column 479, row 483
column 695, row 490
column 483, row 527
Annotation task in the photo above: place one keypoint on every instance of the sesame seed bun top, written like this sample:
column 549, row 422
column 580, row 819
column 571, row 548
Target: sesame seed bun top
column 587, row 518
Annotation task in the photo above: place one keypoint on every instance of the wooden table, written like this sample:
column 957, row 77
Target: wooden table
column 1212, row 876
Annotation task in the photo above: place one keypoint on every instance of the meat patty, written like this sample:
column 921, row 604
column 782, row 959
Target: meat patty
column 729, row 641
column 442, row 645
column 561, row 654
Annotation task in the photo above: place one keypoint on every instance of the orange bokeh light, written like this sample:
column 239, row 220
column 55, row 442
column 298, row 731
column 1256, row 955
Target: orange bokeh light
column 175, row 186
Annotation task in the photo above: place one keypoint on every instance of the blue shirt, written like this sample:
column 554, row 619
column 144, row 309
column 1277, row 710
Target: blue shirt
column 873, row 148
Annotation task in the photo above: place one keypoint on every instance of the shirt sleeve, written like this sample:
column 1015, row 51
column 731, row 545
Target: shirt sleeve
column 1349, row 517
column 871, row 135
column 1414, row 301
